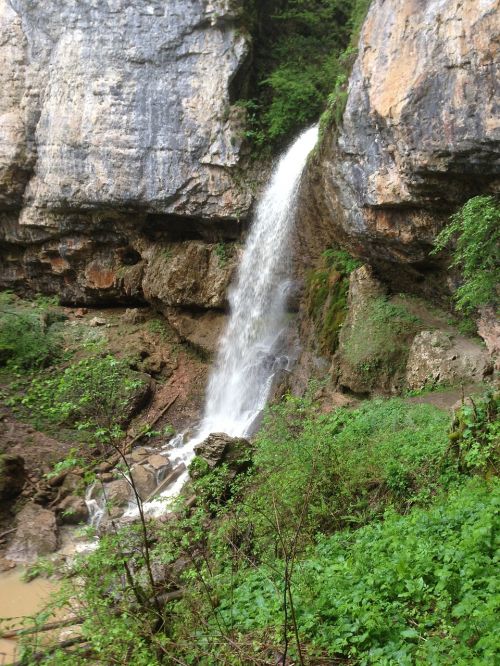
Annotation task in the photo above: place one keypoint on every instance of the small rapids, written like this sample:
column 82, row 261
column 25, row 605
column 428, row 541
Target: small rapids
column 252, row 352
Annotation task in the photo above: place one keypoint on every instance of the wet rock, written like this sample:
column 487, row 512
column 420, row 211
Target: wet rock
column 72, row 510
column 144, row 481
column 36, row 534
column 12, row 476
column 219, row 448
column 118, row 493
column 440, row 358
column 158, row 462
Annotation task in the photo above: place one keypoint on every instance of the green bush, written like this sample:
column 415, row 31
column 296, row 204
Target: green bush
column 92, row 394
column 26, row 342
column 475, row 232
column 475, row 435
column 302, row 50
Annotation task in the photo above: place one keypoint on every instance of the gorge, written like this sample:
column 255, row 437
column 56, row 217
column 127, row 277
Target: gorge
column 299, row 353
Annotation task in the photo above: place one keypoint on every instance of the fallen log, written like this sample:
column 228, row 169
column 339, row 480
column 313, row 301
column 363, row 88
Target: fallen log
column 49, row 626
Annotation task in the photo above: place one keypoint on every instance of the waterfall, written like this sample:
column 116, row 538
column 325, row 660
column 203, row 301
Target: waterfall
column 251, row 352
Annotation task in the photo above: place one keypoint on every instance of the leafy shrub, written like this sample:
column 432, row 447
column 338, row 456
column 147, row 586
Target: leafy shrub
column 93, row 393
column 475, row 228
column 475, row 434
column 26, row 342
column 299, row 57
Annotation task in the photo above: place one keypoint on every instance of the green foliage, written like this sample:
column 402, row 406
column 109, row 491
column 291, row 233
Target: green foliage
column 26, row 342
column 327, row 289
column 475, row 434
column 421, row 588
column 475, row 230
column 222, row 254
column 93, row 394
column 358, row 462
column 303, row 50
column 378, row 339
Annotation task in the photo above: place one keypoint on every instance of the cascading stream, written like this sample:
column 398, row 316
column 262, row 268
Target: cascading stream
column 251, row 352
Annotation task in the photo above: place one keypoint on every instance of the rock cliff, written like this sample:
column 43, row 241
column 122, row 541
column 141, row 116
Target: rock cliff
column 420, row 134
column 117, row 132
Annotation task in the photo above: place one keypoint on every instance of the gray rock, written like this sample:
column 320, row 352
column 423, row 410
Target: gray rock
column 139, row 454
column 72, row 510
column 439, row 358
column 144, row 481
column 158, row 462
column 118, row 493
column 36, row 534
column 219, row 448
column 419, row 133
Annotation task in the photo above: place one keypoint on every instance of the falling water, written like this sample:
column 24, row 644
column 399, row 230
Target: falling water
column 251, row 352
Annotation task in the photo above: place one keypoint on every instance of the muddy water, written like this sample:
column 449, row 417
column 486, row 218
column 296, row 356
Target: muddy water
column 19, row 600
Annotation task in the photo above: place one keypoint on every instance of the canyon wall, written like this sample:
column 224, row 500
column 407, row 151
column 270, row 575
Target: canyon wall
column 420, row 135
column 120, row 144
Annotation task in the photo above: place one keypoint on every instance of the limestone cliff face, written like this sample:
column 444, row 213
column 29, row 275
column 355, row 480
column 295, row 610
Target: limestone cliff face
column 420, row 133
column 116, row 131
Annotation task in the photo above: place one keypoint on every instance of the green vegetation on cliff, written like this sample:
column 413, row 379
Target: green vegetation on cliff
column 302, row 52
column 475, row 233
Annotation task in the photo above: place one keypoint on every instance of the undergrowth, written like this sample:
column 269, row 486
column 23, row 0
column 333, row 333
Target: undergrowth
column 360, row 536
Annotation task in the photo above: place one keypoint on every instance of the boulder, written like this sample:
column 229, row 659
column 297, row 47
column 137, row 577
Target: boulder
column 488, row 327
column 72, row 510
column 36, row 534
column 158, row 462
column 219, row 448
column 118, row 493
column 441, row 358
column 73, row 484
column 12, row 476
column 144, row 481
column 138, row 454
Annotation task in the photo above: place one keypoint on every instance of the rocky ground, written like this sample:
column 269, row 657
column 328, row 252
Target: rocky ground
column 30, row 449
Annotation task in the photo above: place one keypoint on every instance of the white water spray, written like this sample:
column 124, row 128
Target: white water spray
column 251, row 353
